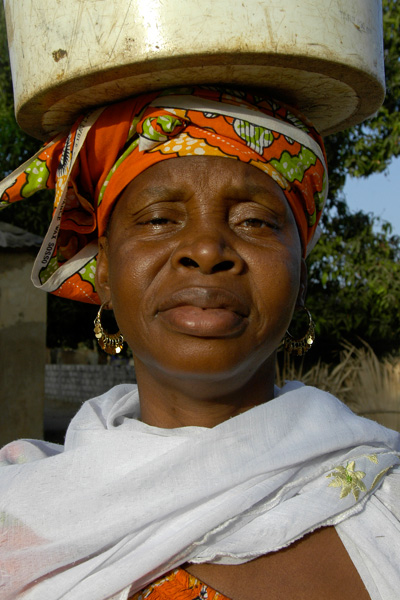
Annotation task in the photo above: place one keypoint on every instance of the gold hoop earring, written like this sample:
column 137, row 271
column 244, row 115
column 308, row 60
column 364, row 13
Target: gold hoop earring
column 112, row 343
column 302, row 345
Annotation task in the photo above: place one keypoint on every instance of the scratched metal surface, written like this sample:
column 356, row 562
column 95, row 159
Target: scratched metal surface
column 324, row 55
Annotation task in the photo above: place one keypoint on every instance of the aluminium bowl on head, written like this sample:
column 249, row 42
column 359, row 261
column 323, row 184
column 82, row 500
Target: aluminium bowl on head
column 324, row 57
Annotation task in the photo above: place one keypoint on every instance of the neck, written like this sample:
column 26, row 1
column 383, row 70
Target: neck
column 169, row 402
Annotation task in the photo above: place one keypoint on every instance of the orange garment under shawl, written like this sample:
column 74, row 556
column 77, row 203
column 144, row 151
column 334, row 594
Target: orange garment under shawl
column 178, row 585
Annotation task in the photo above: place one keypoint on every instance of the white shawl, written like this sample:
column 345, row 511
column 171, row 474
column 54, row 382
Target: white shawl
column 124, row 502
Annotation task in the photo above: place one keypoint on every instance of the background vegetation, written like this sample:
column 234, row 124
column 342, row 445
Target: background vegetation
column 354, row 271
column 369, row 386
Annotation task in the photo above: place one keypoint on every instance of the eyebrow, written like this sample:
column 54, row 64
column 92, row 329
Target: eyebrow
column 165, row 192
column 247, row 191
column 253, row 189
column 175, row 193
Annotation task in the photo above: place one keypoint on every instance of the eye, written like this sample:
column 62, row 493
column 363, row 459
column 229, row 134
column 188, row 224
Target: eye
column 252, row 223
column 159, row 220
column 254, row 219
column 156, row 221
column 258, row 223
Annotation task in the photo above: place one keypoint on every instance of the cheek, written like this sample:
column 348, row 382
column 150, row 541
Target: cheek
column 133, row 275
column 276, row 288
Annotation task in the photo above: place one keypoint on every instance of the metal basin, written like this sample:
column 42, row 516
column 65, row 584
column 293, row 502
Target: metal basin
column 325, row 57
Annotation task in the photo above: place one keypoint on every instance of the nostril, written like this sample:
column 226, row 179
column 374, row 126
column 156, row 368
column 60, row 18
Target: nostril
column 188, row 262
column 225, row 265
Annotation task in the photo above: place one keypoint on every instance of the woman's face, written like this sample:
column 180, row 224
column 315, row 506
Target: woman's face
column 202, row 264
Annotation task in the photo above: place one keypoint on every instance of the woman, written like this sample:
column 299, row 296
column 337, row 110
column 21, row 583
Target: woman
column 206, row 477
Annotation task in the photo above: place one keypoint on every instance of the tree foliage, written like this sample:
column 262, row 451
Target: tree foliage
column 354, row 284
column 354, row 272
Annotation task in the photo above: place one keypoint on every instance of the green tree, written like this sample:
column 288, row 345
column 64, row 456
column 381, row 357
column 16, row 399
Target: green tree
column 354, row 285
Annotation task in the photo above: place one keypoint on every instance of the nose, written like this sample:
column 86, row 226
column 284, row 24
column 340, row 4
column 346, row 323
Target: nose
column 209, row 254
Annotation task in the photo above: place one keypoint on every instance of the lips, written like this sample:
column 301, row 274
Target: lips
column 204, row 312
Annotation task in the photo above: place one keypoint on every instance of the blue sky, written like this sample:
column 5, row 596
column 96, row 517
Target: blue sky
column 379, row 194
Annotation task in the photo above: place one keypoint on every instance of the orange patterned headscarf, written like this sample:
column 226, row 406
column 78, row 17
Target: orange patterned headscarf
column 109, row 147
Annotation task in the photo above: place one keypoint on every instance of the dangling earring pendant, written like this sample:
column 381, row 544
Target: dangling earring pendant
column 302, row 345
column 112, row 343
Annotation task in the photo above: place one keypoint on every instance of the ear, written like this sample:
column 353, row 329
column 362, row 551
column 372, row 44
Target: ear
column 102, row 278
column 301, row 298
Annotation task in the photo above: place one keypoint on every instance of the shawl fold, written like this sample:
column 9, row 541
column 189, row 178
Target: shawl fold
column 124, row 502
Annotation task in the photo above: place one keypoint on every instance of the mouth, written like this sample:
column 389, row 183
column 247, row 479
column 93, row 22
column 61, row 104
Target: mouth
column 204, row 312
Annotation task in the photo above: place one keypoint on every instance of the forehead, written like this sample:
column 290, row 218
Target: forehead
column 189, row 175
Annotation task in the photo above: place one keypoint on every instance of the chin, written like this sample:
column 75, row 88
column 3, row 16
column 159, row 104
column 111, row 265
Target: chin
column 207, row 360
